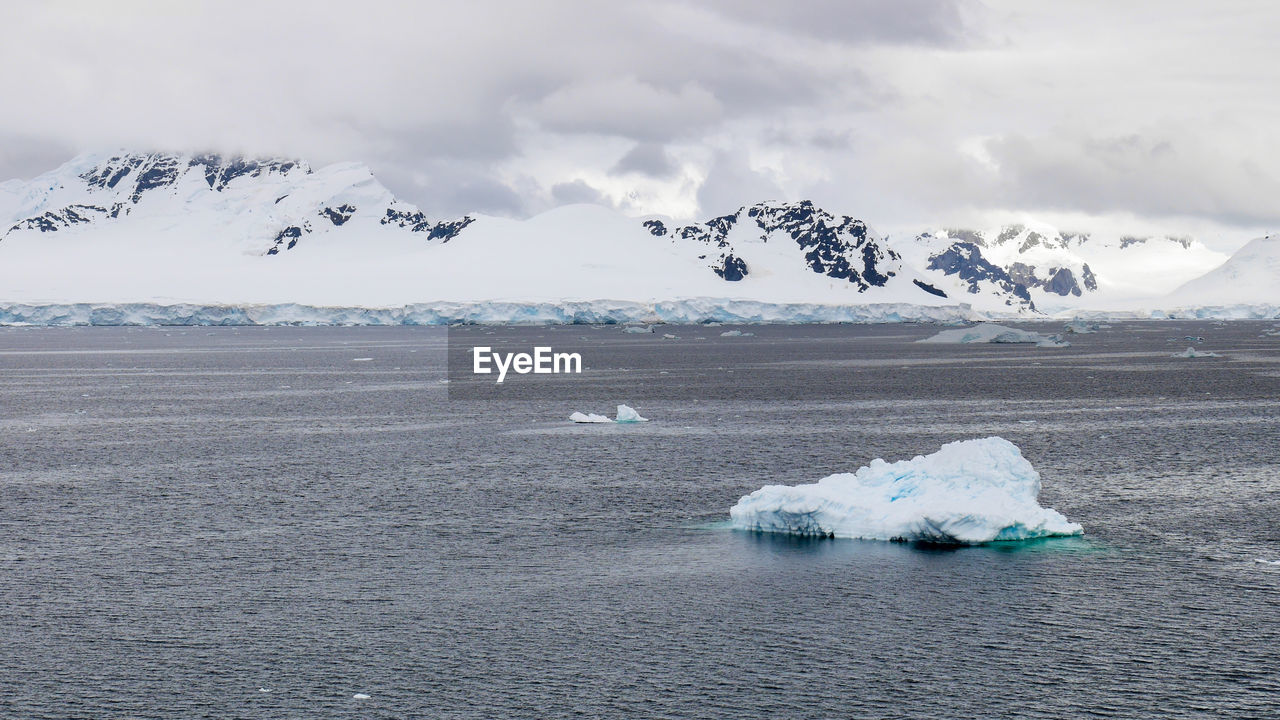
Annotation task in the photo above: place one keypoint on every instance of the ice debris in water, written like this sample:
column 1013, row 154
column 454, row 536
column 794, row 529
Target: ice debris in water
column 638, row 329
column 971, row 491
column 359, row 696
column 736, row 333
column 628, row 414
column 1080, row 327
column 1261, row 561
column 992, row 333
column 1194, row 353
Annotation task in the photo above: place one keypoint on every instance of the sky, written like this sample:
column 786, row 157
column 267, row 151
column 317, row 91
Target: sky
column 1094, row 115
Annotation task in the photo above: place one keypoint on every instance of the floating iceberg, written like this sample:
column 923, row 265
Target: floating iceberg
column 972, row 491
column 1194, row 353
column 638, row 329
column 628, row 414
column 992, row 333
column 1080, row 327
column 735, row 333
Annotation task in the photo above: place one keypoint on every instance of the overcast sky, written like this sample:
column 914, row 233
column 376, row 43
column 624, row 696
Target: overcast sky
column 907, row 113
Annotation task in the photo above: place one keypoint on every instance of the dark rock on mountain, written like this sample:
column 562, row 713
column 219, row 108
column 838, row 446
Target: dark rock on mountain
column 838, row 247
column 338, row 215
column 447, row 230
column 965, row 261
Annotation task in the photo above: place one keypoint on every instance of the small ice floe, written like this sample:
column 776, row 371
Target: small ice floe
column 992, row 333
column 736, row 333
column 359, row 696
column 361, row 359
column 638, row 329
column 968, row 492
column 1260, row 561
column 1194, row 353
column 1192, row 338
column 1079, row 327
column 669, row 336
column 628, row 414
column 264, row 690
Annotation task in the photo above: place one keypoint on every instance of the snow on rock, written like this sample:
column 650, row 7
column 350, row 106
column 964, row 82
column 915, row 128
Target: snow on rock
column 628, row 414
column 971, row 491
column 992, row 333
column 1191, row 352
column 589, row 418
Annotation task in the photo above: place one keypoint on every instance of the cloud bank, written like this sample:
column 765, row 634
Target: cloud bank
column 905, row 112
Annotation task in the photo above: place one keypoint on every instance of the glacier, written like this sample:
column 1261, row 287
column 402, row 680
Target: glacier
column 567, row 312
column 968, row 492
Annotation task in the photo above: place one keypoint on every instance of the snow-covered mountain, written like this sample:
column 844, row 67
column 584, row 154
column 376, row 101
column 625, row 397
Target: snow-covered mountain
column 1068, row 269
column 162, row 227
column 1250, row 276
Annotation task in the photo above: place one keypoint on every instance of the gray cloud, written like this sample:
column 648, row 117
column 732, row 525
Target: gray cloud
column 1132, row 173
column 924, row 22
column 906, row 111
column 577, row 191
column 729, row 181
column 25, row 157
column 646, row 158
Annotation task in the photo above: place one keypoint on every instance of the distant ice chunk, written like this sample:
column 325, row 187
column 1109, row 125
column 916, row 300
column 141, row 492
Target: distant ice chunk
column 628, row 414
column 1262, row 561
column 971, row 491
column 1194, row 353
column 359, row 696
column 992, row 333
column 638, row 329
column 588, row 418
column 736, row 333
column 1080, row 327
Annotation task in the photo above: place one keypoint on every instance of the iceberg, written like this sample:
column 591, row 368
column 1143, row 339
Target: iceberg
column 968, row 492
column 1191, row 352
column 992, row 333
column 628, row 414
column 589, row 418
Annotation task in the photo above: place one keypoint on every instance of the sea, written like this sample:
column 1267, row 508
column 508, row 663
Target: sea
column 344, row 522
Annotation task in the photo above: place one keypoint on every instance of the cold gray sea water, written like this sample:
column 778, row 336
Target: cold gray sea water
column 268, row 522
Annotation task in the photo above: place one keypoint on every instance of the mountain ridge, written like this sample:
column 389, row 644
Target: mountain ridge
column 274, row 208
